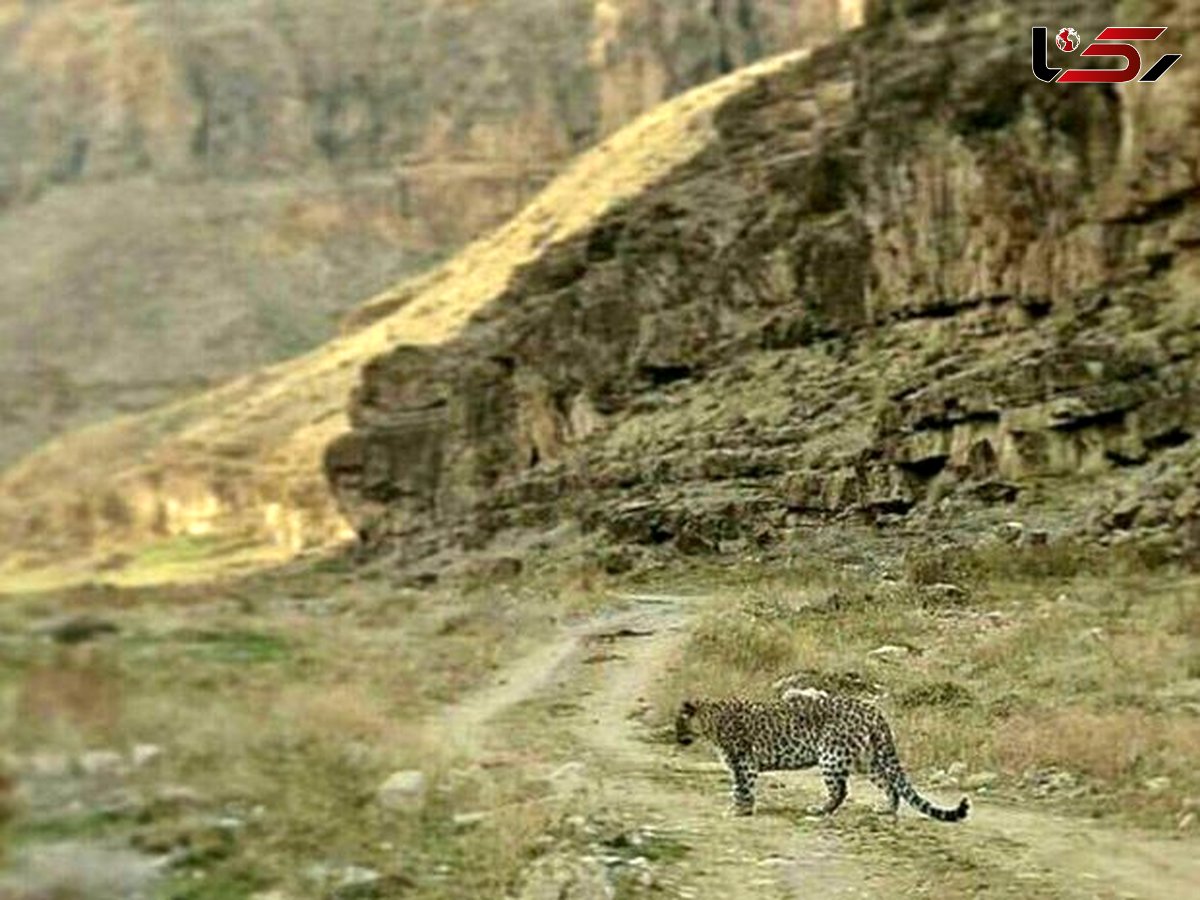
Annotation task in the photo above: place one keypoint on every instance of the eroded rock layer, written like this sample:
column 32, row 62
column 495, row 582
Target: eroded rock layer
column 228, row 179
column 904, row 274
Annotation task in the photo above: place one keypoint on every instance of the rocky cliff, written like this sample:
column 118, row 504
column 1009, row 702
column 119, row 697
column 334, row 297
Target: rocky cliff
column 242, row 463
column 902, row 279
column 895, row 279
column 230, row 178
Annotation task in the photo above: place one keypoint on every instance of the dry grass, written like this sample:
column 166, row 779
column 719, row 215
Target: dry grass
column 1107, row 746
column 1058, row 660
column 75, row 690
column 283, row 701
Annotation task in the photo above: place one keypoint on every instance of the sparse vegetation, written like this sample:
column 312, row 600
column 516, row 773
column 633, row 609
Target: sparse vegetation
column 280, row 704
column 1064, row 658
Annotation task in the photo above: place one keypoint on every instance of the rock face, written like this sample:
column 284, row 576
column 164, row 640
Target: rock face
column 903, row 273
column 231, row 178
column 242, row 463
column 103, row 89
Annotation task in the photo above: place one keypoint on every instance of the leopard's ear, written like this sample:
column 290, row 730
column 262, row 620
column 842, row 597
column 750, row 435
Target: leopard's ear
column 688, row 708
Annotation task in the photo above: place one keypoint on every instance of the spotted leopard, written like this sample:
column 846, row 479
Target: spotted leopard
column 809, row 728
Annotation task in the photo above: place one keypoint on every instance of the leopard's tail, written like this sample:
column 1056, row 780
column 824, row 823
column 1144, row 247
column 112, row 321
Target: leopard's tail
column 890, row 764
column 909, row 794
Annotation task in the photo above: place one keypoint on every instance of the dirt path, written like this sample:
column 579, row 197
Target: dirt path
column 1123, row 862
column 464, row 723
column 731, row 857
column 600, row 671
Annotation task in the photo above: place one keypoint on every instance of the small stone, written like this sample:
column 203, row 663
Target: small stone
column 49, row 765
column 178, row 795
column 1010, row 532
column 569, row 777
column 469, row 820
column 945, row 593
column 319, row 872
column 356, row 882
column 1058, row 781
column 980, row 780
column 1157, row 785
column 144, row 754
column 101, row 762
column 404, row 789
column 956, row 769
column 889, row 651
column 774, row 861
column 1186, row 821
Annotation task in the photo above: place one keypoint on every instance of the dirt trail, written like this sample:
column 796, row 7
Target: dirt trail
column 463, row 723
column 1124, row 862
column 606, row 666
column 731, row 857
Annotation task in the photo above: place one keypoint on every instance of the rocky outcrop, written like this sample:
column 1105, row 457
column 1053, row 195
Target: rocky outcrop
column 240, row 464
column 503, row 89
column 902, row 275
column 896, row 279
column 231, row 178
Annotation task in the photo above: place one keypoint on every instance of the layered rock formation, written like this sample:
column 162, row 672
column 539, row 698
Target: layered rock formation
column 101, row 89
column 903, row 275
column 242, row 463
column 897, row 279
column 230, row 178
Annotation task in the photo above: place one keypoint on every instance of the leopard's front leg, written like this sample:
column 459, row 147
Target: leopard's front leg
column 743, row 774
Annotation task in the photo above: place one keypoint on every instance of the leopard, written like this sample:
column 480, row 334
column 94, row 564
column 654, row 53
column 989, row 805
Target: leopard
column 806, row 728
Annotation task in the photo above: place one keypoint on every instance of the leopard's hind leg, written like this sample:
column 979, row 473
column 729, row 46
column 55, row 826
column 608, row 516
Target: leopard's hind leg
column 835, row 770
column 880, row 779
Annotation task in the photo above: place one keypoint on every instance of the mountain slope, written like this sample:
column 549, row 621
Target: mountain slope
column 228, row 179
column 244, row 461
column 905, row 281
column 896, row 279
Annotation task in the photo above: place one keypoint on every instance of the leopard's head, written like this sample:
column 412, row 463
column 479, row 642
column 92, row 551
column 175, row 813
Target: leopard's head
column 684, row 731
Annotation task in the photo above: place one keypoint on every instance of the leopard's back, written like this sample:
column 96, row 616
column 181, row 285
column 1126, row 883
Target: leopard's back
column 795, row 733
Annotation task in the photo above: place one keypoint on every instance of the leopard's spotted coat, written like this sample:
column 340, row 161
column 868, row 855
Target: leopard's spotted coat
column 809, row 728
